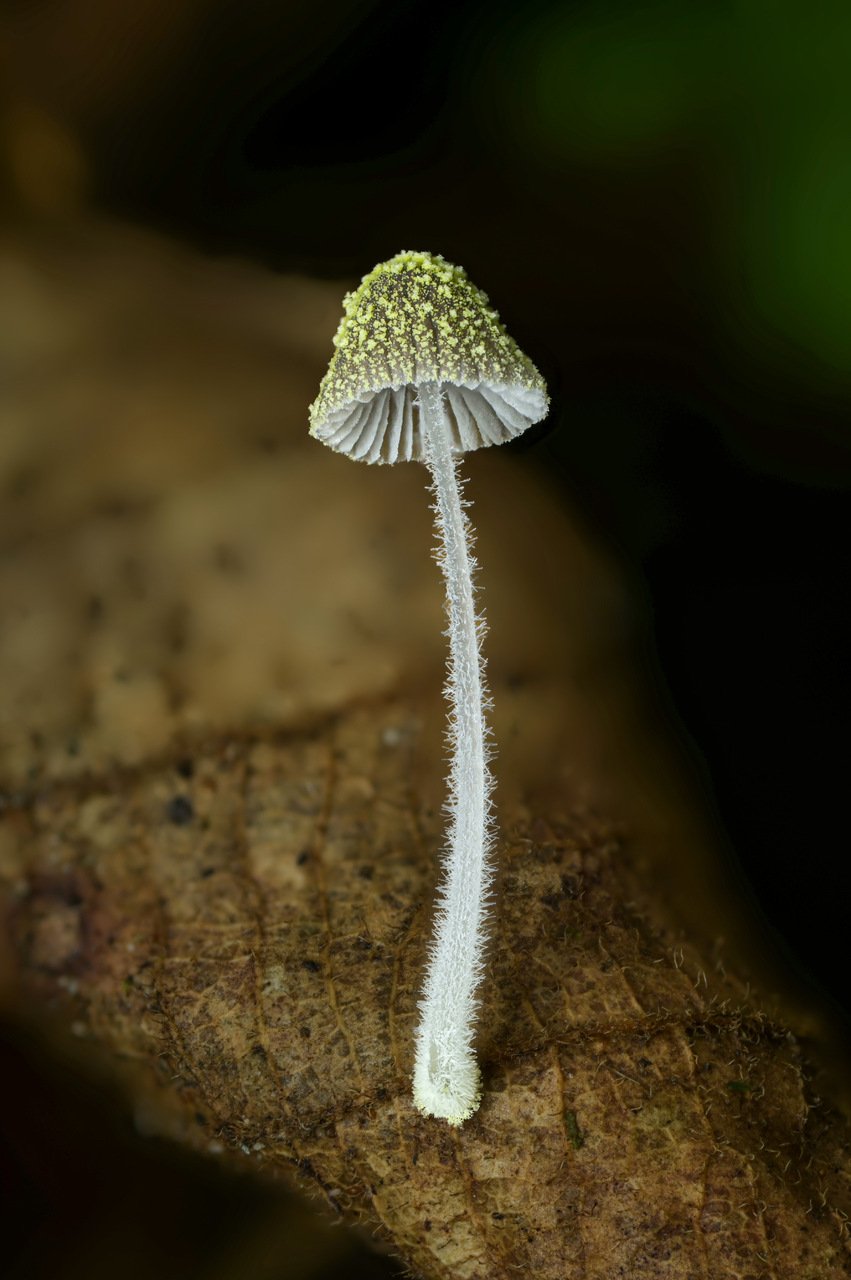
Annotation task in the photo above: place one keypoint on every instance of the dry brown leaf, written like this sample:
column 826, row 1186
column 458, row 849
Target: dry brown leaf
column 220, row 743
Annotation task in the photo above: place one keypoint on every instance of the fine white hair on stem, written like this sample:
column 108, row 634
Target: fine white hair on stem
column 447, row 1082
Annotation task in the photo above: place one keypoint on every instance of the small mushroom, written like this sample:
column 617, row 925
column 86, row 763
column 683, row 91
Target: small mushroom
column 423, row 369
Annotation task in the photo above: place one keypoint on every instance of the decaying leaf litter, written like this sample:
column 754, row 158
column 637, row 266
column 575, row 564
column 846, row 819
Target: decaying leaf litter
column 221, row 772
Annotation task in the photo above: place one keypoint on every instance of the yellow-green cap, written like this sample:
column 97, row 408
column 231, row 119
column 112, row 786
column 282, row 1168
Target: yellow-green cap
column 415, row 319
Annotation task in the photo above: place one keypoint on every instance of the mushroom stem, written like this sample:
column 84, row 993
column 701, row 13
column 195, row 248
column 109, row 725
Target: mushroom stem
column 446, row 1075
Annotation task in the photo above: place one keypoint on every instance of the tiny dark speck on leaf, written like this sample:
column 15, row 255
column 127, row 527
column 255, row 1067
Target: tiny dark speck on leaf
column 739, row 1086
column 228, row 559
column 180, row 811
column 186, row 768
column 577, row 1138
column 94, row 609
column 303, row 857
column 311, row 966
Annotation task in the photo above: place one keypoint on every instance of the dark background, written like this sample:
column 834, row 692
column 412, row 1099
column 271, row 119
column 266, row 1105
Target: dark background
column 657, row 196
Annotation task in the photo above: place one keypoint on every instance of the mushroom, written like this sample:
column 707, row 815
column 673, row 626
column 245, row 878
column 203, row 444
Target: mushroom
column 423, row 369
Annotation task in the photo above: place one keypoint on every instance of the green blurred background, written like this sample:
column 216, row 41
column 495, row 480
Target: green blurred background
column 657, row 196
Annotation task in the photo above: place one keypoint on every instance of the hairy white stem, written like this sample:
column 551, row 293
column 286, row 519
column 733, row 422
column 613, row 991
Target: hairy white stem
column 446, row 1075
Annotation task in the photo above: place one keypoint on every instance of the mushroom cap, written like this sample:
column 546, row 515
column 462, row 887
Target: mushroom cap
column 415, row 319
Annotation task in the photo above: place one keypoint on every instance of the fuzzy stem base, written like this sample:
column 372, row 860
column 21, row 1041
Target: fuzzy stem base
column 447, row 1083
